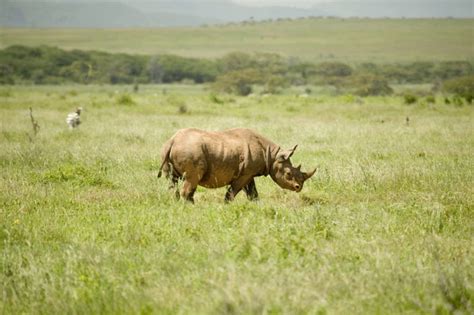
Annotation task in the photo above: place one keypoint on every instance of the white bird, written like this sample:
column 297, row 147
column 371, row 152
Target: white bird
column 73, row 120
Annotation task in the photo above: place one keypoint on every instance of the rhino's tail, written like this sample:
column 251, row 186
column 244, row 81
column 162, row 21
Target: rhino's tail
column 165, row 156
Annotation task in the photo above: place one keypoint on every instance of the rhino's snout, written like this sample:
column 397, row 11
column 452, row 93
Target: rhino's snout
column 297, row 187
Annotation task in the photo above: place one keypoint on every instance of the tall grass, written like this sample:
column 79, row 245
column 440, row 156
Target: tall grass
column 385, row 225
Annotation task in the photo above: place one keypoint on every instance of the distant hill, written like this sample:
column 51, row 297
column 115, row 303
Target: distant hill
column 313, row 39
column 167, row 13
column 112, row 14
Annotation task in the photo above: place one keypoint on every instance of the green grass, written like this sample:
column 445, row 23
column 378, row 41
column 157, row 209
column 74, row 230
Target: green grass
column 349, row 40
column 385, row 226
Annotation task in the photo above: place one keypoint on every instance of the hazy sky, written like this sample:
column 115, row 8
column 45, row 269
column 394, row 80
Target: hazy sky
column 292, row 3
column 309, row 3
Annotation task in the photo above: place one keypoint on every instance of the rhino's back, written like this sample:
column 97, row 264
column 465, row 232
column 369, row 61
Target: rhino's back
column 216, row 157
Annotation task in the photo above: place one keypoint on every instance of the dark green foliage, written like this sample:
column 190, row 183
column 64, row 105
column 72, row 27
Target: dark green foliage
column 462, row 87
column 170, row 69
column 236, row 61
column 409, row 98
column 51, row 65
column 333, row 69
column 418, row 72
column 371, row 85
column 238, row 82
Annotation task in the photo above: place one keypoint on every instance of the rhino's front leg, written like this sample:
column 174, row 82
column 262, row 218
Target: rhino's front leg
column 235, row 187
column 251, row 190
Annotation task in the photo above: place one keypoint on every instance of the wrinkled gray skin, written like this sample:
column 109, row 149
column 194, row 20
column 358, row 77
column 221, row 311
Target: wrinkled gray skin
column 231, row 157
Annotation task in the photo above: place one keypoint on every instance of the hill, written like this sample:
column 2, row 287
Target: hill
column 315, row 39
column 165, row 13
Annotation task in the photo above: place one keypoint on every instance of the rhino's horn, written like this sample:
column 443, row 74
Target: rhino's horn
column 309, row 174
column 299, row 167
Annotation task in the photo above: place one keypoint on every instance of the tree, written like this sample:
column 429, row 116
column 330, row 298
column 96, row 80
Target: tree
column 461, row 87
column 237, row 82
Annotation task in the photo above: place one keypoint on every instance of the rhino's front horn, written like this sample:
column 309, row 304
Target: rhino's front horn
column 308, row 175
column 298, row 167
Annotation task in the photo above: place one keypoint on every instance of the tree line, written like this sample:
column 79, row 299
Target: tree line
column 235, row 72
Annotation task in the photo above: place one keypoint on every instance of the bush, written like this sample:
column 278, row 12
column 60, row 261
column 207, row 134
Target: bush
column 430, row 99
column 274, row 83
column 238, row 82
column 451, row 69
column 462, row 87
column 215, row 99
column 125, row 99
column 333, row 69
column 366, row 85
column 410, row 98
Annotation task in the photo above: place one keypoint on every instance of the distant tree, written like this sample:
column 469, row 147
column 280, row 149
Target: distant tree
column 366, row 85
column 155, row 70
column 333, row 69
column 462, row 87
column 236, row 61
column 450, row 69
column 237, row 82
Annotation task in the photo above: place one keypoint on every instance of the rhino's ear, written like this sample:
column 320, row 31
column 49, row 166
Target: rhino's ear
column 285, row 155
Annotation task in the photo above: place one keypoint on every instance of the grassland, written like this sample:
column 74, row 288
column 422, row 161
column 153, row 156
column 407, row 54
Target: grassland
column 385, row 226
column 348, row 40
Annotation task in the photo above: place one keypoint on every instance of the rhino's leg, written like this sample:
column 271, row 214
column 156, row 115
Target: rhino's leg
column 235, row 187
column 251, row 190
column 187, row 192
column 173, row 177
column 189, row 187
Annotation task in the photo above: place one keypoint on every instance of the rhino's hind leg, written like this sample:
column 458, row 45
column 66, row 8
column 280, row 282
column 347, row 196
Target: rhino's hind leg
column 188, row 190
column 189, row 187
column 173, row 178
column 251, row 190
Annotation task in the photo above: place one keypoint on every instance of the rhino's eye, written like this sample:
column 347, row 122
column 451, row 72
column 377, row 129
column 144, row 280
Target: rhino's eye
column 287, row 175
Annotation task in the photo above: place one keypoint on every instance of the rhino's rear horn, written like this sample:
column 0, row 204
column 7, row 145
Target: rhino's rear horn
column 309, row 174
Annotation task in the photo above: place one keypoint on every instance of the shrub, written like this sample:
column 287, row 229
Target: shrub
column 236, row 61
column 409, row 98
column 366, row 85
column 213, row 98
column 451, row 69
column 274, row 83
column 125, row 99
column 462, row 87
column 237, row 82
column 430, row 99
column 333, row 69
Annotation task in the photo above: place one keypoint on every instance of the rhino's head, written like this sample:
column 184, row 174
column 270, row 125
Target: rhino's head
column 285, row 174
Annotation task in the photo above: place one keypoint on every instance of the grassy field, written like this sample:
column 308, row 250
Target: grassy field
column 349, row 40
column 385, row 226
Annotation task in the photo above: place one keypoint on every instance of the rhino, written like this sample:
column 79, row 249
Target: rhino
column 231, row 158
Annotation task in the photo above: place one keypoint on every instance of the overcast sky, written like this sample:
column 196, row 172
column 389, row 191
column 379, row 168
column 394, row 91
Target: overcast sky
column 292, row 3
column 310, row 3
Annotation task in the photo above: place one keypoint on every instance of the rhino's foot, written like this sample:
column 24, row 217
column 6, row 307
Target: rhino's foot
column 251, row 191
column 229, row 195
